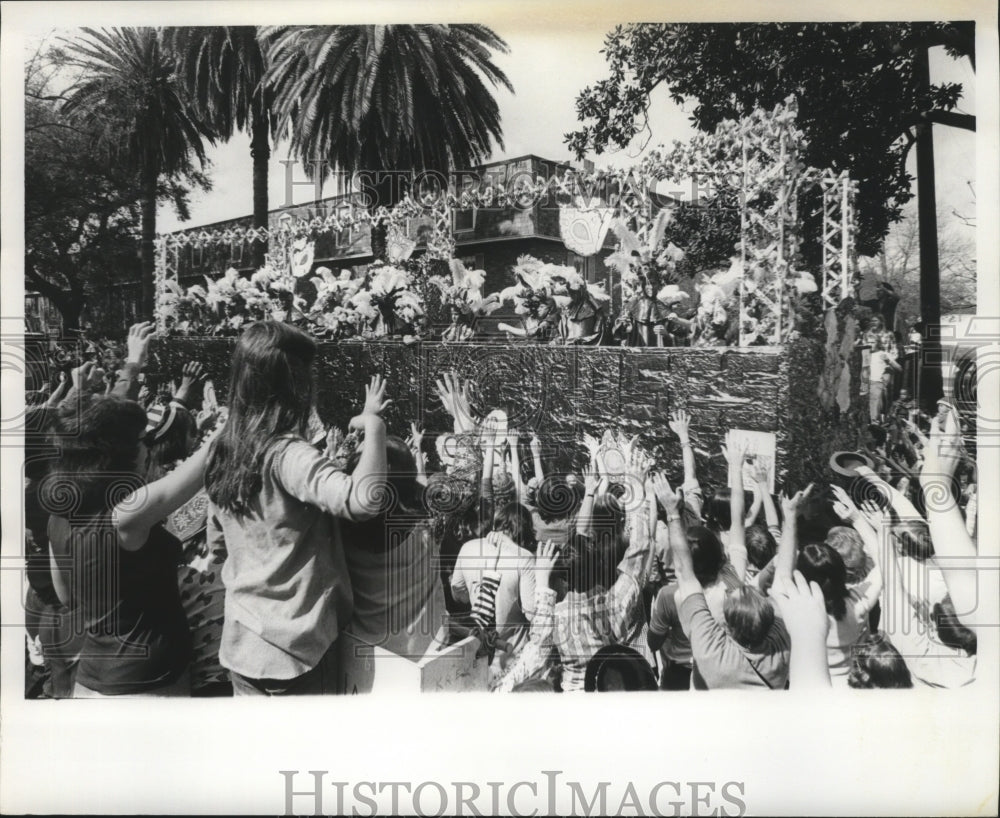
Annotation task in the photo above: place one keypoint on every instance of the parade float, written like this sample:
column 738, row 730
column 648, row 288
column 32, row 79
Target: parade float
column 774, row 353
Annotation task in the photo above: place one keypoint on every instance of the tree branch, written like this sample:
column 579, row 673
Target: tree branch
column 950, row 118
column 53, row 292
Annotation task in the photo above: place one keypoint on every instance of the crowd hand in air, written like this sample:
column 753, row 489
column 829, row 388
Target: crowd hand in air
column 680, row 423
column 790, row 505
column 591, row 478
column 803, row 611
column 57, row 394
column 546, row 559
column 375, row 401
column 972, row 589
column 455, row 399
column 874, row 515
column 192, row 373
column 137, row 343
column 491, row 436
column 535, row 446
column 843, row 506
column 944, row 450
column 83, row 377
column 592, row 445
column 669, row 499
column 210, row 408
column 735, row 452
column 415, row 439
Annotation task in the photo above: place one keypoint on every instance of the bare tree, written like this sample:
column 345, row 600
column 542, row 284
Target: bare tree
column 899, row 263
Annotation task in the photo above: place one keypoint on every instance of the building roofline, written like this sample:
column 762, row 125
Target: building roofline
column 343, row 197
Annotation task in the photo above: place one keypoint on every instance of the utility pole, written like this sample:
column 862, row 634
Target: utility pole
column 929, row 374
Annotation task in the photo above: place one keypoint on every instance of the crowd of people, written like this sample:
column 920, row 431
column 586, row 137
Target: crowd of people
column 178, row 547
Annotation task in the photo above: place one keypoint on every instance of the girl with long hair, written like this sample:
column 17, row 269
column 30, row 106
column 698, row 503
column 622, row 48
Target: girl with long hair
column 275, row 504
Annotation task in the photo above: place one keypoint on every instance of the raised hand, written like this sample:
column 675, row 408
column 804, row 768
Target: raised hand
column 416, row 438
column 803, row 611
column 546, row 559
column 591, row 444
column 680, row 422
column 80, row 376
column 137, row 344
column 874, row 514
column 666, row 496
column 445, row 394
column 843, row 505
column 535, row 446
column 944, row 450
column 375, row 400
column 790, row 505
column 193, row 371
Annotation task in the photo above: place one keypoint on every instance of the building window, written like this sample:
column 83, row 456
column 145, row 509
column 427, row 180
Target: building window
column 464, row 221
column 585, row 266
column 342, row 238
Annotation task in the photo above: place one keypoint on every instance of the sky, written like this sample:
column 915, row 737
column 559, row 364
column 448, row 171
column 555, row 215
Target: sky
column 548, row 68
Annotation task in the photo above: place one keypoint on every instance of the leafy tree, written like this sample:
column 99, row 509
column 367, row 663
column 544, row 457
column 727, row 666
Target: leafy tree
column 129, row 92
column 860, row 98
column 223, row 68
column 82, row 207
column 386, row 98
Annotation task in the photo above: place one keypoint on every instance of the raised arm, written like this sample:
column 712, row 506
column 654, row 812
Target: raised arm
column 536, row 459
column 848, row 512
column 137, row 348
column 952, row 544
column 763, row 489
column 455, row 400
column 680, row 424
column 543, row 621
column 515, row 465
column 687, row 582
column 135, row 516
column 370, row 474
column 803, row 611
column 191, row 374
column 638, row 558
column 755, row 507
column 784, row 560
column 585, row 515
column 415, row 442
column 489, row 457
column 735, row 454
column 60, row 392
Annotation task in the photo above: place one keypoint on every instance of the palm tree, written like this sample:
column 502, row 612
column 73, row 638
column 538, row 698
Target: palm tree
column 386, row 98
column 129, row 88
column 223, row 68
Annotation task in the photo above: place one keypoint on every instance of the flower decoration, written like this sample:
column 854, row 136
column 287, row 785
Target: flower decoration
column 388, row 298
column 542, row 286
column 464, row 290
column 637, row 261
